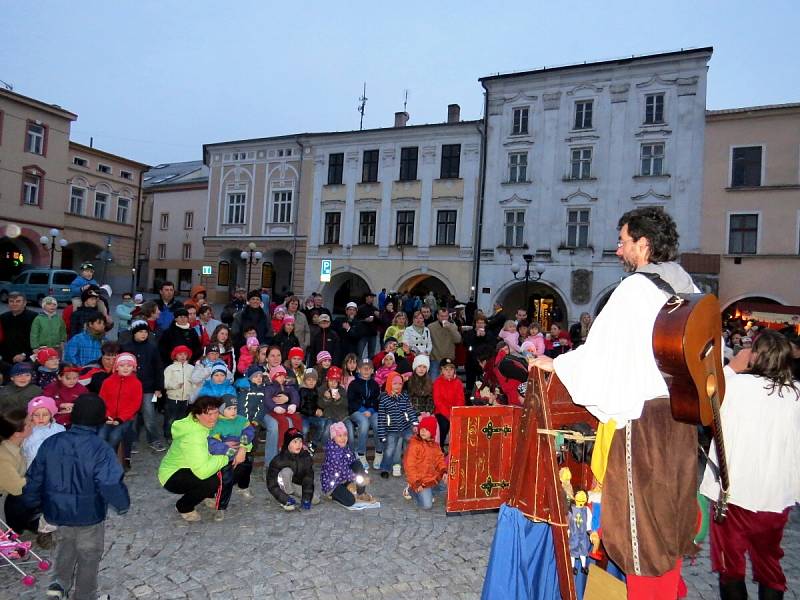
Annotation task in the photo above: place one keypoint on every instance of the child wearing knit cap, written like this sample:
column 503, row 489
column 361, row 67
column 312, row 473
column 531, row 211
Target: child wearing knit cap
column 179, row 386
column 294, row 365
column 448, row 392
column 424, row 464
column 281, row 402
column 251, row 394
column 309, row 407
column 218, row 384
column 122, row 395
column 41, row 410
column 324, row 361
column 396, row 419
column 291, row 473
column 388, row 365
column 277, row 318
column 285, row 338
column 420, row 386
column 47, row 369
column 333, row 400
column 342, row 476
column 232, row 432
column 247, row 354
column 64, row 391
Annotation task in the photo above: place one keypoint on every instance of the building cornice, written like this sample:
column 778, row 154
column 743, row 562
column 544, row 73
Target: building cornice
column 54, row 109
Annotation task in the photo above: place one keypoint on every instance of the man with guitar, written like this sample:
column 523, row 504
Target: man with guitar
column 650, row 481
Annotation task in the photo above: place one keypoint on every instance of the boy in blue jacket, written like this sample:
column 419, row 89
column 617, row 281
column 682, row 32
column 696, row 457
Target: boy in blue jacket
column 72, row 480
column 363, row 399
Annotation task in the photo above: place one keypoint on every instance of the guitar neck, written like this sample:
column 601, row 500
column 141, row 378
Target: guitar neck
column 719, row 442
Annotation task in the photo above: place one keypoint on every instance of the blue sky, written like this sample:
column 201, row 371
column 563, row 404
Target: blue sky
column 153, row 81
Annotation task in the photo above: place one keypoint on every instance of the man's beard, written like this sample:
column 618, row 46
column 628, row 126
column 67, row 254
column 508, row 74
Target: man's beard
column 627, row 266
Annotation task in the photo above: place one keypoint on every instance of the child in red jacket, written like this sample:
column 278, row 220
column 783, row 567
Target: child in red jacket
column 448, row 391
column 64, row 391
column 122, row 394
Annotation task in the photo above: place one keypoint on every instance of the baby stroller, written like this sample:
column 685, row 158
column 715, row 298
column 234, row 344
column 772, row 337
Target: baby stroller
column 15, row 552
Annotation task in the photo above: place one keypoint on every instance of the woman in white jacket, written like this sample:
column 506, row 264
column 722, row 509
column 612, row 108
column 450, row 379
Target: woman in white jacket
column 417, row 337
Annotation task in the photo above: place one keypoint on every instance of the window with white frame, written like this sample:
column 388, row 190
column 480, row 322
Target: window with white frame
column 583, row 114
column 31, row 189
column 652, row 159
column 517, row 167
column 164, row 220
column 123, row 209
column 100, row 205
column 746, row 166
column 333, row 221
column 367, row 221
column 239, row 156
column 653, row 109
column 77, row 200
column 743, row 234
column 188, row 219
column 515, row 228
column 162, row 251
column 79, row 162
column 404, row 232
column 235, row 205
column 34, row 138
column 187, row 252
column 446, row 227
column 519, row 120
column 282, row 207
column 581, row 167
column 126, row 174
column 578, row 228
column 335, row 168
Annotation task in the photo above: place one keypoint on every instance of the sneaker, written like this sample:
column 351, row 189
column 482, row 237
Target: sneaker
column 135, row 448
column 219, row 515
column 406, row 493
column 244, row 493
column 55, row 590
column 158, row 446
column 288, row 507
column 191, row 516
column 376, row 462
column 396, row 471
column 44, row 540
column 364, row 461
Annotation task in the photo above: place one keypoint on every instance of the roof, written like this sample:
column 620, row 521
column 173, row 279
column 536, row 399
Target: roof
column 96, row 151
column 51, row 108
column 601, row 63
column 179, row 173
column 747, row 109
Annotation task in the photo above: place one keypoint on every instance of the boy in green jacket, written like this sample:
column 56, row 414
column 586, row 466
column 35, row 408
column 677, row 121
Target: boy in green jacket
column 48, row 329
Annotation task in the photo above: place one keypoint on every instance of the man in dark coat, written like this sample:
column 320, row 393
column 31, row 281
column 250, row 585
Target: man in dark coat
column 179, row 333
column 15, row 326
column 252, row 315
column 167, row 304
column 348, row 329
column 324, row 338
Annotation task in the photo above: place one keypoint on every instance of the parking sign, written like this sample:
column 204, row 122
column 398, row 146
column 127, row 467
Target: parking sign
column 206, row 270
column 325, row 270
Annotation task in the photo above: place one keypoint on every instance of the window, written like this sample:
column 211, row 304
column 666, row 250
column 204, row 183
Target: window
column 451, row 161
column 746, row 166
column 335, row 168
column 34, row 139
column 583, row 114
column 519, row 121
column 446, row 228
column 517, row 167
column 38, row 278
column 239, row 156
column 188, row 219
column 404, row 235
column 581, row 163
column 282, row 207
column 187, row 252
column 63, row 278
column 80, row 162
column 123, row 209
column 332, row 222
column 100, row 205
column 367, row 220
column 31, row 189
column 234, row 209
column 104, row 169
column 654, row 108
column 126, row 174
column 743, row 234
column 652, row 159
column 223, row 273
column 408, row 163
column 515, row 228
column 369, row 170
column 578, row 228
column 77, row 199
column 162, row 251
column 164, row 220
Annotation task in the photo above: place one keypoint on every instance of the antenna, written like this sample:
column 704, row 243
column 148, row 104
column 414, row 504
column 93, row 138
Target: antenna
column 7, row 85
column 362, row 106
column 405, row 101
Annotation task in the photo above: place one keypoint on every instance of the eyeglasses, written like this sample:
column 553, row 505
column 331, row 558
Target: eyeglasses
column 621, row 243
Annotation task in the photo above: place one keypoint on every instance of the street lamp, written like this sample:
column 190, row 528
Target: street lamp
column 251, row 256
column 50, row 243
column 538, row 271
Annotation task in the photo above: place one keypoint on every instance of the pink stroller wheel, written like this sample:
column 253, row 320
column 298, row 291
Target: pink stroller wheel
column 44, row 565
column 29, row 580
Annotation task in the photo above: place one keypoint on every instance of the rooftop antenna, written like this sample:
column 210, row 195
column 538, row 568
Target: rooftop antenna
column 7, row 85
column 362, row 106
column 405, row 101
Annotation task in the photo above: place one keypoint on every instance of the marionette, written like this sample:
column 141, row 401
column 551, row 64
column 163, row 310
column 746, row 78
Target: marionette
column 565, row 476
column 580, row 527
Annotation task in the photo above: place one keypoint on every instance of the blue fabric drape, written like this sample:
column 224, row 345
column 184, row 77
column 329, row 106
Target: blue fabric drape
column 522, row 562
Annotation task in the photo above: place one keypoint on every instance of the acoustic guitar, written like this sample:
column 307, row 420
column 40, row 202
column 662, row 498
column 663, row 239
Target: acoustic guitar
column 687, row 339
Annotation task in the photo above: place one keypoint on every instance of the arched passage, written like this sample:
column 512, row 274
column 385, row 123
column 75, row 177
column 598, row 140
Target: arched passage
column 422, row 283
column 543, row 303
column 16, row 254
column 344, row 288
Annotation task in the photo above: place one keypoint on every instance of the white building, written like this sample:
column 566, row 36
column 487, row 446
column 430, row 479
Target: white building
column 568, row 150
column 394, row 208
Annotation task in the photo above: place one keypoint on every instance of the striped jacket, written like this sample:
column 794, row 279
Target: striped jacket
column 395, row 414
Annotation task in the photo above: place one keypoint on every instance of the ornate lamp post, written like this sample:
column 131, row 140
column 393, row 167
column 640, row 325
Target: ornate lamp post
column 536, row 275
column 251, row 256
column 53, row 245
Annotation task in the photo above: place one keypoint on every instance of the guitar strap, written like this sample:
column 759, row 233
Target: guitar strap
column 655, row 278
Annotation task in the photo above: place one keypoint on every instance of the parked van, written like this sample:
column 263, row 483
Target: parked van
column 35, row 284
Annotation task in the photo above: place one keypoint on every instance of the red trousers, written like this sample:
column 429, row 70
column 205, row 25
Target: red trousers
column 758, row 534
column 669, row 586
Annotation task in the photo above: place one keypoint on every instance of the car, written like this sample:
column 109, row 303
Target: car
column 36, row 283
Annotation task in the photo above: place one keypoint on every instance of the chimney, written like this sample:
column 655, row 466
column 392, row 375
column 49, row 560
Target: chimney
column 400, row 119
column 453, row 113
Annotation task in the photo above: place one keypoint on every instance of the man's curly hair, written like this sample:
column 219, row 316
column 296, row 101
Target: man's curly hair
column 654, row 224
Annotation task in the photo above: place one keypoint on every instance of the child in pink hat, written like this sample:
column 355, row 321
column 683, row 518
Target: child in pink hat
column 40, row 411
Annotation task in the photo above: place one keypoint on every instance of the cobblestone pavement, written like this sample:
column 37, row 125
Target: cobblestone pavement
column 260, row 551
